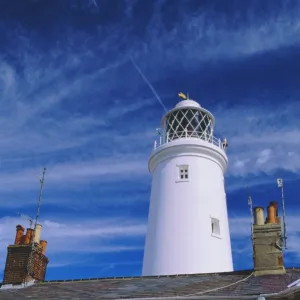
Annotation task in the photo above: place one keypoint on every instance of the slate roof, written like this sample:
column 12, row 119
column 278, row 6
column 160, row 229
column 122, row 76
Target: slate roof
column 199, row 286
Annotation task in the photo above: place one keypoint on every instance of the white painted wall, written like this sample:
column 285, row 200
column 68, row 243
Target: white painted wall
column 179, row 239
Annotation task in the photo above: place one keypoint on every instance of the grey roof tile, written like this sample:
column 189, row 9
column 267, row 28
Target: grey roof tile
column 222, row 284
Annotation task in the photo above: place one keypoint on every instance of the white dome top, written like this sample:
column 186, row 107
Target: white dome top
column 187, row 103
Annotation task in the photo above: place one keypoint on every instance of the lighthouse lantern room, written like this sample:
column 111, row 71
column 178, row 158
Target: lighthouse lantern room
column 188, row 229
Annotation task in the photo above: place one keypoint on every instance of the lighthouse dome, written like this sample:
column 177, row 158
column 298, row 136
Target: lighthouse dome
column 188, row 103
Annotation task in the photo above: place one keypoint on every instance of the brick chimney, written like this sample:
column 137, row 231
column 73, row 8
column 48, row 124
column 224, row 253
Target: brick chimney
column 24, row 263
column 267, row 241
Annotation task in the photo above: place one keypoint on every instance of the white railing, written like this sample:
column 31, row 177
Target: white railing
column 166, row 138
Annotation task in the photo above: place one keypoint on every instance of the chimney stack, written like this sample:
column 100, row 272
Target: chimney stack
column 267, row 241
column 37, row 234
column 24, row 263
column 19, row 234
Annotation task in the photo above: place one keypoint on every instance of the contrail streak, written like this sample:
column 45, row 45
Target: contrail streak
column 95, row 3
column 148, row 83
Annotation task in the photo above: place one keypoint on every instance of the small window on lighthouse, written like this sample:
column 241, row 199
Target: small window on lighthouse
column 215, row 227
column 183, row 173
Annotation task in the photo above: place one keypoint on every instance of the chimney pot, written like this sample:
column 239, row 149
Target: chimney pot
column 19, row 235
column 43, row 243
column 28, row 236
column 259, row 218
column 271, row 214
column 37, row 234
column 275, row 204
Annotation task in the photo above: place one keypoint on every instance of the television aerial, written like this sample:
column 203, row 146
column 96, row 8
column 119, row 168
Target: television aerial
column 25, row 217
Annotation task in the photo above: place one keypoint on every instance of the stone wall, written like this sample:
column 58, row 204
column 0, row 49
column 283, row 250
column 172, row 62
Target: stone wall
column 267, row 252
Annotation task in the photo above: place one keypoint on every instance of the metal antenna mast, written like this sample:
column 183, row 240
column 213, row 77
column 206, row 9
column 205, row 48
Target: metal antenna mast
column 280, row 185
column 40, row 199
column 252, row 219
column 250, row 205
column 36, row 220
column 251, row 212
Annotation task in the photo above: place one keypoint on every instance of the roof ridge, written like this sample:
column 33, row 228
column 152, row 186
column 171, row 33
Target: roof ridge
column 239, row 272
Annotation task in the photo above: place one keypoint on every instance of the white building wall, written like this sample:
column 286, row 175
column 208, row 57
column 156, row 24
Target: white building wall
column 179, row 237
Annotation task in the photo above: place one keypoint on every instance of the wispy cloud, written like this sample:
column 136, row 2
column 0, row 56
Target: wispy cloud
column 45, row 122
column 205, row 35
column 70, row 241
column 240, row 229
column 49, row 117
column 265, row 139
column 75, row 104
column 77, row 172
column 89, row 236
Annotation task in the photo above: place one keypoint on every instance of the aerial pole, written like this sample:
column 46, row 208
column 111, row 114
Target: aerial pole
column 280, row 185
column 40, row 199
column 250, row 205
column 251, row 213
column 35, row 224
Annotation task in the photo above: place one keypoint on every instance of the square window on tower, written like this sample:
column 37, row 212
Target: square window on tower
column 183, row 173
column 215, row 228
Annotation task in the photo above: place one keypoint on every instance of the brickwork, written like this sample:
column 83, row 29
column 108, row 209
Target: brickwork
column 17, row 262
column 39, row 264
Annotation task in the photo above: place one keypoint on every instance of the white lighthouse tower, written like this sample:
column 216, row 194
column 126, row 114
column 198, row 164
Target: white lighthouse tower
column 188, row 229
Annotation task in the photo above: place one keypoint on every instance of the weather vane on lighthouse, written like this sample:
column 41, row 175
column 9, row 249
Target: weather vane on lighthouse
column 188, row 229
column 183, row 96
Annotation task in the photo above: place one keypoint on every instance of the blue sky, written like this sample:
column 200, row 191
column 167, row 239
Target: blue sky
column 71, row 101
